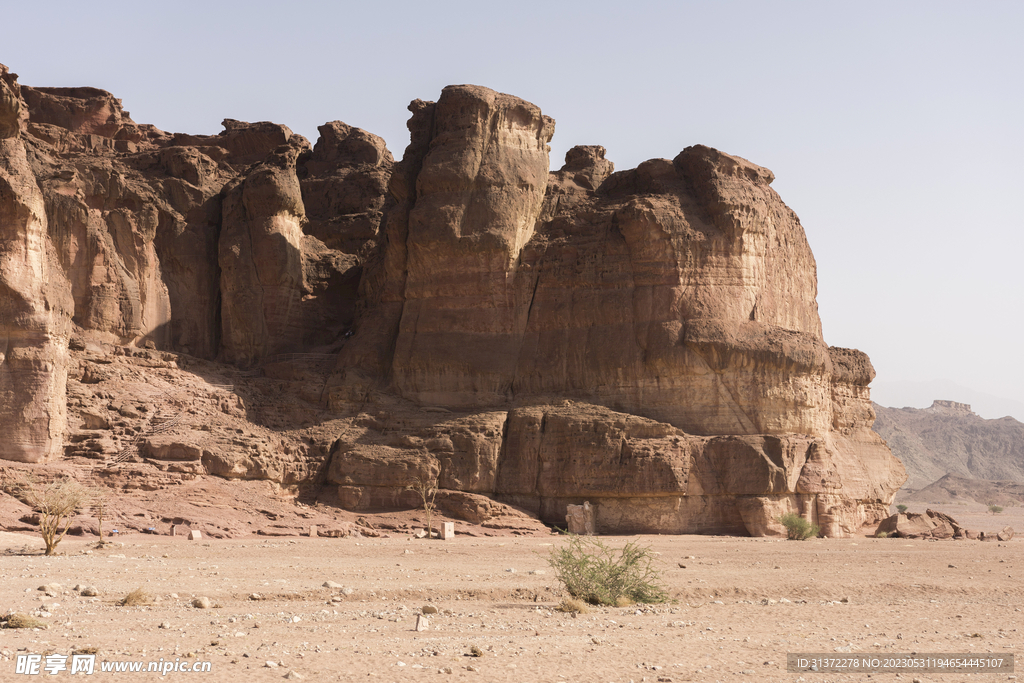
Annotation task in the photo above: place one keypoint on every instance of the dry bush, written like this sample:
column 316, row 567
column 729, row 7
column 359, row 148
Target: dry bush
column 57, row 502
column 17, row 620
column 426, row 488
column 572, row 605
column 593, row 572
column 135, row 598
column 99, row 509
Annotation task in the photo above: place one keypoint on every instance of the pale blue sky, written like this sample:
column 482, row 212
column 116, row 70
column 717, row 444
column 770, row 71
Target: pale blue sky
column 894, row 129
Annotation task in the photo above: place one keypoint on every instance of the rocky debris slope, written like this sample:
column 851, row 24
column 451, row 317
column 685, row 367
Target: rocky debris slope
column 949, row 438
column 142, row 500
column 647, row 340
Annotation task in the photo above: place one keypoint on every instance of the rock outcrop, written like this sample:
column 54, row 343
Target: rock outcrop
column 35, row 302
column 935, row 526
column 682, row 292
column 646, row 340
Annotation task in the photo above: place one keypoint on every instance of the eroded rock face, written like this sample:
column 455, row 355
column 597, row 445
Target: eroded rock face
column 646, row 340
column 479, row 192
column 128, row 235
column 260, row 258
column 197, row 243
column 681, row 291
column 34, row 301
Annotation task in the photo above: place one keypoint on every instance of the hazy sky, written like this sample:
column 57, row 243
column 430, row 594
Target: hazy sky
column 894, row 128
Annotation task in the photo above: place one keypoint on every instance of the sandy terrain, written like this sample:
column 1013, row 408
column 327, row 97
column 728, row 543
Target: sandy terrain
column 740, row 605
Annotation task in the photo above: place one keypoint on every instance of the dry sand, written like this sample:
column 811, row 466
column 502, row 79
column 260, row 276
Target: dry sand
column 740, row 604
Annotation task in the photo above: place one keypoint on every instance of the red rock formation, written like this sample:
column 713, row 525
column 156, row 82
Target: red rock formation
column 682, row 291
column 34, row 301
column 261, row 259
column 647, row 340
column 479, row 192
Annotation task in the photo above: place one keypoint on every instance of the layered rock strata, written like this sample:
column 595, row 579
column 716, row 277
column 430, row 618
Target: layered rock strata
column 682, row 292
column 35, row 301
column 646, row 340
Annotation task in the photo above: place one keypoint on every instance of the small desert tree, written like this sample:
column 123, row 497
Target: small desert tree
column 995, row 509
column 99, row 508
column 426, row 488
column 902, row 509
column 56, row 502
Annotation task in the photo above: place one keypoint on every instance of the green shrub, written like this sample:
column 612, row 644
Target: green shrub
column 597, row 574
column 995, row 509
column 797, row 528
column 902, row 509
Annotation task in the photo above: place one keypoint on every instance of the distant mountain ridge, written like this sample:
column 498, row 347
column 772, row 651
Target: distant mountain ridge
column 954, row 489
column 949, row 438
column 920, row 394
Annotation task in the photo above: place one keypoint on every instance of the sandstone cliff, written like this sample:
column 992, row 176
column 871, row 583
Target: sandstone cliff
column 35, row 302
column 647, row 340
column 681, row 292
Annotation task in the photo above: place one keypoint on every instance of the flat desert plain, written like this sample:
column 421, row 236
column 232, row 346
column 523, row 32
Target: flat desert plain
column 739, row 605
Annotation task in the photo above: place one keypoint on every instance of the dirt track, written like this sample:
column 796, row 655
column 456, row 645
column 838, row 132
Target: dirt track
column 730, row 620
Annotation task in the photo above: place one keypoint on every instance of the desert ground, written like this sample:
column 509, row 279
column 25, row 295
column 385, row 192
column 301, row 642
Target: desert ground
column 738, row 606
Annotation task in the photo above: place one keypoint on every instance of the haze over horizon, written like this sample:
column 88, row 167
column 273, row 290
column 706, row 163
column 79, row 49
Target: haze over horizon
column 893, row 129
